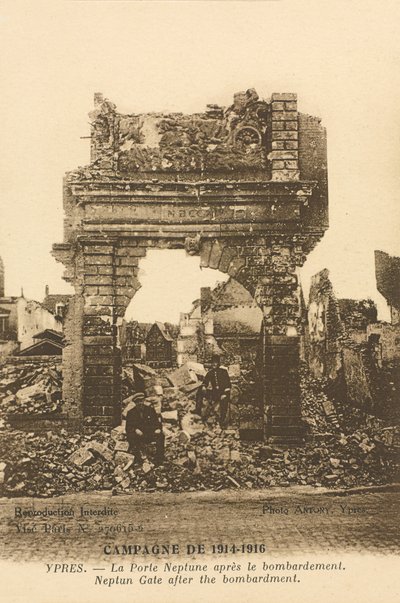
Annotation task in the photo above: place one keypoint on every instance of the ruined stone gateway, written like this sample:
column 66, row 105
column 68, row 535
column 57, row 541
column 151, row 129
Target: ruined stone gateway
column 243, row 187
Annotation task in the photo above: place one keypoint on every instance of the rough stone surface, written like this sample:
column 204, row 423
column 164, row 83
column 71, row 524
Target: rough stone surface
column 244, row 188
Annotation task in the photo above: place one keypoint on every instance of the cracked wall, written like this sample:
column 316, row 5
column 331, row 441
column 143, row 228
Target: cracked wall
column 243, row 187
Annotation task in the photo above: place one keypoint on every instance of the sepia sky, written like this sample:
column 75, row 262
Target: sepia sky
column 342, row 58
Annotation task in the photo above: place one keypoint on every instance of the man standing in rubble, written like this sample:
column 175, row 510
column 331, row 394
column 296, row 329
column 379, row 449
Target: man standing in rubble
column 143, row 426
column 218, row 383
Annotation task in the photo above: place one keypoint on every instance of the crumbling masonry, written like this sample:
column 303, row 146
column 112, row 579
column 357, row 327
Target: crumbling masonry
column 244, row 188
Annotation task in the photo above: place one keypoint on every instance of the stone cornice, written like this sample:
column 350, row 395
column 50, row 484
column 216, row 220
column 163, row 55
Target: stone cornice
column 171, row 192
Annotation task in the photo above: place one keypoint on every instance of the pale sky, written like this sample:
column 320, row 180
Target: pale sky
column 342, row 58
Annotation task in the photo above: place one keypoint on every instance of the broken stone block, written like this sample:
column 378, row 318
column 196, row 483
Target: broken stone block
column 167, row 431
column 121, row 446
column 122, row 458
column 30, row 392
column 125, row 483
column 2, row 477
column 147, row 467
column 196, row 367
column 181, row 461
column 190, row 388
column 224, row 454
column 101, row 450
column 118, row 433
column 129, row 464
column 235, row 456
column 145, row 370
column 170, row 392
column 3, row 466
column 170, row 416
column 182, row 376
column 81, row 457
column 192, row 423
column 183, row 438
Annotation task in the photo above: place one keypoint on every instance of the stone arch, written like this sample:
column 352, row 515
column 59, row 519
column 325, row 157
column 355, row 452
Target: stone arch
column 267, row 268
column 248, row 215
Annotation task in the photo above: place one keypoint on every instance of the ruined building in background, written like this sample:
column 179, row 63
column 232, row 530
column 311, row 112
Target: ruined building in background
column 358, row 355
column 242, row 187
column 46, row 343
column 21, row 320
column 331, row 323
column 387, row 271
column 324, row 329
column 56, row 303
column 159, row 352
column 226, row 320
column 132, row 337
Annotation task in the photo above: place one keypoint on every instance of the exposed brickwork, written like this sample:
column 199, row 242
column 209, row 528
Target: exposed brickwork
column 284, row 153
column 226, row 185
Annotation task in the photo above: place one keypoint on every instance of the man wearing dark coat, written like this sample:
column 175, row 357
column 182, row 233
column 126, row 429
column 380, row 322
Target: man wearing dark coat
column 218, row 384
column 143, row 425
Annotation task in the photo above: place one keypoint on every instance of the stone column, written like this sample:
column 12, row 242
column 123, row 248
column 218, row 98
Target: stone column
column 104, row 274
column 268, row 268
column 110, row 281
column 101, row 361
column 272, row 271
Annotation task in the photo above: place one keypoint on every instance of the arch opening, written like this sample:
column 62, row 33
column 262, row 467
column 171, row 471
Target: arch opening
column 182, row 316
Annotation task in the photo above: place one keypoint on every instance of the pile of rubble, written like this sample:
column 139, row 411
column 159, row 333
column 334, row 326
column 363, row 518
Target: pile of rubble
column 199, row 455
column 207, row 459
column 30, row 388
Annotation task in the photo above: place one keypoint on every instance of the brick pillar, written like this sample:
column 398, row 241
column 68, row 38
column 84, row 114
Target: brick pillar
column 110, row 281
column 277, row 293
column 283, row 424
column 101, row 361
column 284, row 155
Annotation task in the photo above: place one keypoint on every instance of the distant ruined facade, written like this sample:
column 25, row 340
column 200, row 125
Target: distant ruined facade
column 225, row 320
column 21, row 319
column 243, row 187
column 387, row 271
column 358, row 355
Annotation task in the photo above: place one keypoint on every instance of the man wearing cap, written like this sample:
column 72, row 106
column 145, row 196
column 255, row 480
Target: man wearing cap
column 143, row 425
column 218, row 382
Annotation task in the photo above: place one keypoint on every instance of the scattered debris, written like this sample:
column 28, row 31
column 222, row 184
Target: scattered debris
column 199, row 455
column 30, row 388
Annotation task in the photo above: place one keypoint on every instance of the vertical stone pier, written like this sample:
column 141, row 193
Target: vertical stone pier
column 244, row 187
